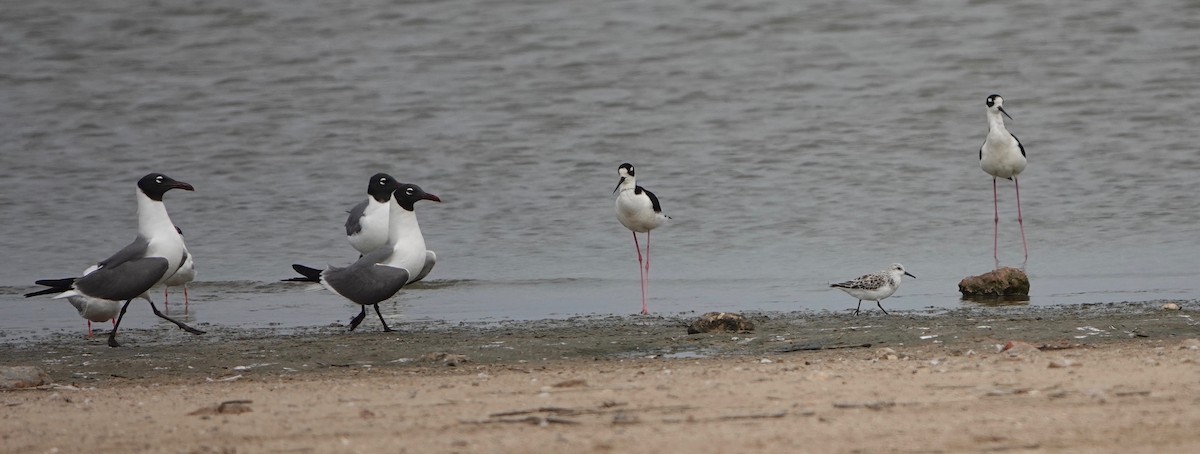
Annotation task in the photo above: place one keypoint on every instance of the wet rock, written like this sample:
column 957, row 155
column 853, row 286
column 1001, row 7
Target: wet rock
column 719, row 322
column 229, row 407
column 16, row 377
column 1170, row 307
column 1001, row 282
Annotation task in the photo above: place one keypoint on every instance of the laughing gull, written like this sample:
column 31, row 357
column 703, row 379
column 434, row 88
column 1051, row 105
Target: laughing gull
column 91, row 309
column 875, row 286
column 152, row 257
column 639, row 211
column 1002, row 156
column 381, row 273
column 181, row 278
column 367, row 225
column 402, row 234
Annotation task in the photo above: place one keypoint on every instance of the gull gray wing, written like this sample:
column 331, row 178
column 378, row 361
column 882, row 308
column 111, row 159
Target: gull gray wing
column 356, row 213
column 127, row 280
column 365, row 283
column 430, row 260
column 133, row 251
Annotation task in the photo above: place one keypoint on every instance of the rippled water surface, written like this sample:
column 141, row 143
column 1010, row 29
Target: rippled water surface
column 793, row 143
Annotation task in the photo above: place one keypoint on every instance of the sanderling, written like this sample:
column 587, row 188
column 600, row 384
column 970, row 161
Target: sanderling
column 875, row 286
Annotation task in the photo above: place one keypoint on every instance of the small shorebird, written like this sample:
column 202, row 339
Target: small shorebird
column 639, row 211
column 875, row 286
column 380, row 274
column 1002, row 156
column 155, row 255
column 185, row 275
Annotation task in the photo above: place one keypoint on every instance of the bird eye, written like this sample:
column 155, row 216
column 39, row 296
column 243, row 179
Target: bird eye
column 409, row 191
column 158, row 179
column 383, row 181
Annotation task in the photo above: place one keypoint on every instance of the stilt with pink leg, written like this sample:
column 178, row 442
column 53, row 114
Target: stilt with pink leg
column 1002, row 156
column 639, row 211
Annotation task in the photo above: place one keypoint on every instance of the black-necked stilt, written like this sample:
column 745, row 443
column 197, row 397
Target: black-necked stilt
column 875, row 286
column 1002, row 156
column 155, row 255
column 185, row 275
column 379, row 274
column 639, row 211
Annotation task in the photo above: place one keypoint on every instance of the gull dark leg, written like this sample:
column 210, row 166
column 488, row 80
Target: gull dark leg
column 358, row 318
column 877, row 303
column 386, row 329
column 166, row 298
column 112, row 336
column 185, row 299
column 181, row 325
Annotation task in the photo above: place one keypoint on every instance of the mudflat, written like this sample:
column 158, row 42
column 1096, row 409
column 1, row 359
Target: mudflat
column 1093, row 378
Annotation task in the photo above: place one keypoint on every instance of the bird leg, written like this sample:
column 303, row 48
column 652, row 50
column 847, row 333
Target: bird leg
column 858, row 308
column 185, row 299
column 181, row 325
column 112, row 336
column 645, row 311
column 358, row 318
column 1021, row 221
column 89, row 329
column 641, row 272
column 995, row 225
column 385, row 327
column 166, row 298
column 877, row 303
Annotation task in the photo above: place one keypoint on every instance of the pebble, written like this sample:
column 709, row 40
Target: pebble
column 16, row 377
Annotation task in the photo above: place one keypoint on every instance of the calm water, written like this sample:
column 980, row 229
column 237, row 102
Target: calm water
column 794, row 143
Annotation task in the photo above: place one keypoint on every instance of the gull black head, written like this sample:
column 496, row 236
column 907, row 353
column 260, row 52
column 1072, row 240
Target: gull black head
column 381, row 187
column 996, row 102
column 408, row 194
column 156, row 184
column 625, row 171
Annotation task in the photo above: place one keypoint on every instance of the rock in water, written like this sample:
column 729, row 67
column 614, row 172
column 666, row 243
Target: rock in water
column 1002, row 282
column 14, row 377
column 720, row 321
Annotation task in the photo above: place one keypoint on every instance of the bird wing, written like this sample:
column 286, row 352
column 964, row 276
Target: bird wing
column 123, row 281
column 653, row 199
column 135, row 250
column 352, row 222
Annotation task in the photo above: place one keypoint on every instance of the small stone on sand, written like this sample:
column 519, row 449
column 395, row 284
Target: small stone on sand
column 16, row 377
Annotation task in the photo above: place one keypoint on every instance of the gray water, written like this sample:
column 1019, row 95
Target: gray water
column 793, row 143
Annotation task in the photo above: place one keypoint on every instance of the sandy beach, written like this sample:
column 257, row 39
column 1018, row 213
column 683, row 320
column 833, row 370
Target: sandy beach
column 1092, row 378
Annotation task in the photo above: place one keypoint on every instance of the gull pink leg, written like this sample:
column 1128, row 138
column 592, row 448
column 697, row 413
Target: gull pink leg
column 89, row 329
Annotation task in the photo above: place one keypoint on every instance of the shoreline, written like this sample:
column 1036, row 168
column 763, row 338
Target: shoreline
column 1098, row 378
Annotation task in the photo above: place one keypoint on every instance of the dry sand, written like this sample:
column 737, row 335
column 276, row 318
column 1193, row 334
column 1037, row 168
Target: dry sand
column 1106, row 378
